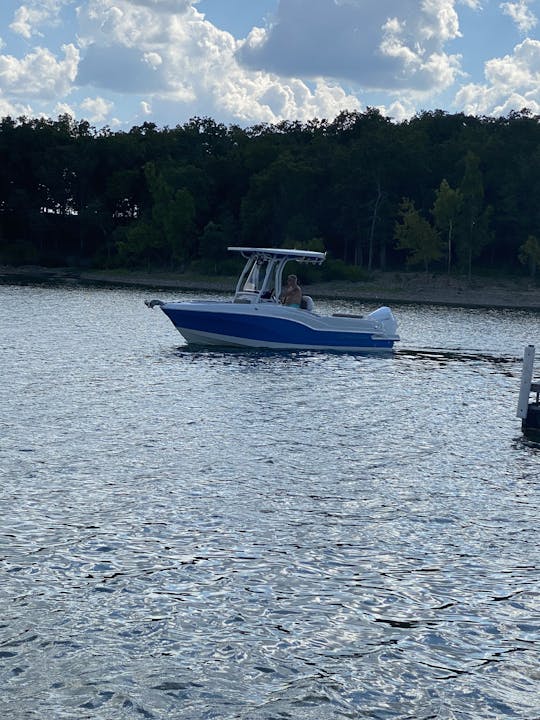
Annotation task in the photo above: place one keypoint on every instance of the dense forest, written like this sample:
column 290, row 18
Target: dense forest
column 445, row 193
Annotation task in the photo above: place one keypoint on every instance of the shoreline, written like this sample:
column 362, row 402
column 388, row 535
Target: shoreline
column 389, row 287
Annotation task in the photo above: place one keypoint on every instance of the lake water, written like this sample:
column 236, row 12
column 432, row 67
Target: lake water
column 256, row 535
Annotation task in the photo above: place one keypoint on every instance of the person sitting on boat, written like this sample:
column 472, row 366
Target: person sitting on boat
column 292, row 293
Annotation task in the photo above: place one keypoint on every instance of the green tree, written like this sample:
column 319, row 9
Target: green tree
column 173, row 212
column 281, row 201
column 70, row 194
column 139, row 244
column 164, row 234
column 416, row 235
column 475, row 217
column 529, row 254
column 445, row 212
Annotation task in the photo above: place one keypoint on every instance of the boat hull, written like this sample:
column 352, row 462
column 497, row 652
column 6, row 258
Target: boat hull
column 277, row 327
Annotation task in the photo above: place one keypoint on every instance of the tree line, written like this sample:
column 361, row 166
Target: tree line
column 448, row 193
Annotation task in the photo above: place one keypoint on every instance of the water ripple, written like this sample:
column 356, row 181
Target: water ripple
column 192, row 534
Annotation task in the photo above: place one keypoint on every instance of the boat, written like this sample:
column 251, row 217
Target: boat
column 256, row 318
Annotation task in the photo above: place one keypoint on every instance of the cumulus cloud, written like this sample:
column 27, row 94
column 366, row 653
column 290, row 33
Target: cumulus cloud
column 96, row 109
column 63, row 108
column 14, row 109
column 391, row 44
column 263, row 98
column 166, row 60
column 181, row 58
column 29, row 17
column 166, row 6
column 134, row 47
column 512, row 83
column 24, row 21
column 153, row 59
column 521, row 14
column 39, row 74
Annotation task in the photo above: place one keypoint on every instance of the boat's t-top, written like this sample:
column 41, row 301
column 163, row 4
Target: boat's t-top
column 262, row 277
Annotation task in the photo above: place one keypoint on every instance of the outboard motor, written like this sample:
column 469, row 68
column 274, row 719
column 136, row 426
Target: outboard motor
column 385, row 317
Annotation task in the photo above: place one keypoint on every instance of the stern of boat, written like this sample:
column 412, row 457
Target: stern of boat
column 385, row 317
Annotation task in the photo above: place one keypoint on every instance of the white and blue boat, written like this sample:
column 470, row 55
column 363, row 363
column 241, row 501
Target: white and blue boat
column 255, row 317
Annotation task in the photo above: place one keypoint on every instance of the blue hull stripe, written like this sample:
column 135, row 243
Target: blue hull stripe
column 270, row 329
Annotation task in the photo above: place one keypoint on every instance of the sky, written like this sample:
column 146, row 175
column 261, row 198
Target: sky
column 120, row 63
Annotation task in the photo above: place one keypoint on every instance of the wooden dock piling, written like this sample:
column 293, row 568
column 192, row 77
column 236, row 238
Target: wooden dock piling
column 527, row 411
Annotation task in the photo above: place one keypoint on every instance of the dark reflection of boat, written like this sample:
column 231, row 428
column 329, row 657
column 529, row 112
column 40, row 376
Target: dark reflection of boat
column 256, row 318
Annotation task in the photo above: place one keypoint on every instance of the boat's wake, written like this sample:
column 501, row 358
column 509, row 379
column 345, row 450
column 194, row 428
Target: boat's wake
column 445, row 355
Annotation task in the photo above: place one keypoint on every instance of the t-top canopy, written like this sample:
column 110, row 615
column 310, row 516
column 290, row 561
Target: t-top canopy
column 301, row 256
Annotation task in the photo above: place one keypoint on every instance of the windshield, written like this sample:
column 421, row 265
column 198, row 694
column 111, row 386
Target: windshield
column 252, row 281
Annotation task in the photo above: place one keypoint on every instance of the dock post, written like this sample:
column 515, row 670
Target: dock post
column 529, row 412
column 526, row 382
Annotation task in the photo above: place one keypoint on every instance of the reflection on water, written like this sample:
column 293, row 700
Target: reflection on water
column 458, row 356
column 228, row 534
